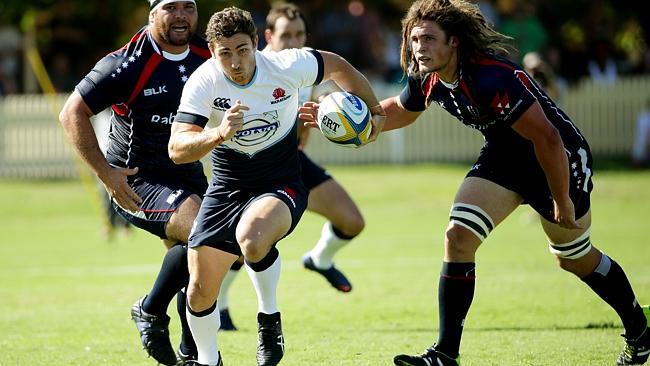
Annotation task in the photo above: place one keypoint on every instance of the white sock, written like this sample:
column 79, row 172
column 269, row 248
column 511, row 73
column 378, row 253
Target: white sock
column 266, row 287
column 204, row 330
column 323, row 253
column 222, row 302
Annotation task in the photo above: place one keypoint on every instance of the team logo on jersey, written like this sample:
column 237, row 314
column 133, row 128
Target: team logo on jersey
column 155, row 91
column 500, row 103
column 279, row 95
column 257, row 129
column 165, row 120
column 222, row 104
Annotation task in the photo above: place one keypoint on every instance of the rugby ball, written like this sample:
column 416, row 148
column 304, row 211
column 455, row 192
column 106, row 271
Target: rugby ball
column 344, row 119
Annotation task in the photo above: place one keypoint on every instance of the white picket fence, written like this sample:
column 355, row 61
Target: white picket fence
column 32, row 143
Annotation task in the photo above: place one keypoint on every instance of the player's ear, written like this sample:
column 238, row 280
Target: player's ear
column 267, row 35
column 255, row 42
column 453, row 41
column 213, row 50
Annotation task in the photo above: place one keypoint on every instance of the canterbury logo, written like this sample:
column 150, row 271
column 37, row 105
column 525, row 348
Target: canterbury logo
column 221, row 104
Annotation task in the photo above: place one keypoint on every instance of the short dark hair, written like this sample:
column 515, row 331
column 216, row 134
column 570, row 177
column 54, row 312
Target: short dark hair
column 228, row 22
column 283, row 10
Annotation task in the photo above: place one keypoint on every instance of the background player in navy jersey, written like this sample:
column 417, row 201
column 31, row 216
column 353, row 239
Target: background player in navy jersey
column 142, row 83
column 256, row 196
column 533, row 154
column 286, row 28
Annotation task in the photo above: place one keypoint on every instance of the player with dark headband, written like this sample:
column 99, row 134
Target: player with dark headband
column 142, row 84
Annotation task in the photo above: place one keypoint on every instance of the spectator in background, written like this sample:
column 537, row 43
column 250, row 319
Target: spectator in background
column 61, row 73
column 602, row 67
column 10, row 44
column 522, row 24
column 542, row 73
column 640, row 151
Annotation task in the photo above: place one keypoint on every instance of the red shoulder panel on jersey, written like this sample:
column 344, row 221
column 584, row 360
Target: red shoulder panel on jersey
column 429, row 82
column 203, row 52
column 149, row 68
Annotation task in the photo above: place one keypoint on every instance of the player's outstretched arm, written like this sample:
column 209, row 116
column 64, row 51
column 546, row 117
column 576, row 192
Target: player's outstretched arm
column 189, row 142
column 396, row 115
column 75, row 119
column 339, row 70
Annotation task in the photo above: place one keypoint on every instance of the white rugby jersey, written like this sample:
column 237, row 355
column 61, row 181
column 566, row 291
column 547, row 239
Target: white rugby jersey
column 265, row 150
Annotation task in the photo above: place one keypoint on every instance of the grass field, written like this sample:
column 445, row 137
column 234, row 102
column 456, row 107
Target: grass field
column 65, row 294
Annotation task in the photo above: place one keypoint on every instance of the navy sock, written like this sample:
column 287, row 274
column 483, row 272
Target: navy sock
column 188, row 347
column 455, row 294
column 608, row 280
column 173, row 276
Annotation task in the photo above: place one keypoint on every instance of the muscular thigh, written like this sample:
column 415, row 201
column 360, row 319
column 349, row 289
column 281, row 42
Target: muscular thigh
column 264, row 222
column 275, row 211
column 558, row 234
column 226, row 214
column 498, row 202
column 180, row 223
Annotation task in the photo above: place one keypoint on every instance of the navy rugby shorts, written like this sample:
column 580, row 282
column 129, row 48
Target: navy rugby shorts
column 222, row 207
column 516, row 168
column 161, row 196
column 312, row 174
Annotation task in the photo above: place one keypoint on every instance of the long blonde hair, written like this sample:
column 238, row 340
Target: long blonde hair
column 458, row 18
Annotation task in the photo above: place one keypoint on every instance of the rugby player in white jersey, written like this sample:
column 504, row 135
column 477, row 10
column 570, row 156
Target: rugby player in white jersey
column 256, row 196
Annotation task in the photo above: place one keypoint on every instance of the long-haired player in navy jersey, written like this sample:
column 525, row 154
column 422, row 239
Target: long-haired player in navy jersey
column 142, row 84
column 533, row 154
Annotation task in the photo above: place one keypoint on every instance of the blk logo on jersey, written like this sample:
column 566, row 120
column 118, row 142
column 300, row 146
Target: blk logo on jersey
column 500, row 103
column 221, row 104
column 279, row 95
column 155, row 91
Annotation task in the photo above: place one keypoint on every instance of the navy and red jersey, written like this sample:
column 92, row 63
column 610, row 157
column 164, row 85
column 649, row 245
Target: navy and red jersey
column 491, row 94
column 143, row 85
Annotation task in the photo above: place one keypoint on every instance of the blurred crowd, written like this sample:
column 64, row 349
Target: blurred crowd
column 563, row 41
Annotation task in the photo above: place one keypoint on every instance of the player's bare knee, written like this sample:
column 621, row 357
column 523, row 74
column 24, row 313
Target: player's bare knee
column 353, row 226
column 199, row 296
column 459, row 242
column 254, row 251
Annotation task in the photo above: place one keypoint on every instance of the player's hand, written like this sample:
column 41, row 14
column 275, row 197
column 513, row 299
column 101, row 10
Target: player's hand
column 233, row 121
column 307, row 114
column 378, row 121
column 118, row 188
column 565, row 214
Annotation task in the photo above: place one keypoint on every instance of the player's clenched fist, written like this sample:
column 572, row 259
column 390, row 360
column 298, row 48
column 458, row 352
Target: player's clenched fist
column 232, row 121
